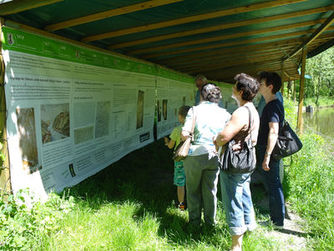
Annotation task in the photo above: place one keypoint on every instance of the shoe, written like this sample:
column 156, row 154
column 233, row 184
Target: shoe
column 269, row 223
column 278, row 227
column 181, row 206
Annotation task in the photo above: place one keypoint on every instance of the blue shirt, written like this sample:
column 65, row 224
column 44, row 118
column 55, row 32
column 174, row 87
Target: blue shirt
column 210, row 120
column 262, row 102
column 272, row 112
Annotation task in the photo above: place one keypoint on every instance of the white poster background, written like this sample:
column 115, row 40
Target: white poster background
column 171, row 95
column 67, row 121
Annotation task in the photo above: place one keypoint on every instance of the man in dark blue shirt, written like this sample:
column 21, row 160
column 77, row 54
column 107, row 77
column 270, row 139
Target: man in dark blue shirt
column 270, row 121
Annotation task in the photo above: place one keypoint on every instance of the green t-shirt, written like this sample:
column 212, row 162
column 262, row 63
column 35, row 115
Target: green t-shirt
column 176, row 135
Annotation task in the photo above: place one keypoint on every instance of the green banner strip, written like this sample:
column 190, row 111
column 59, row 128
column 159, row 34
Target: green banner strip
column 22, row 41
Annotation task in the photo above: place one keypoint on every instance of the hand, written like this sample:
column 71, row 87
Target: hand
column 265, row 163
column 214, row 140
column 166, row 141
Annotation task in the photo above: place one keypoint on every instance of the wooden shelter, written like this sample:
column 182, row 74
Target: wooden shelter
column 215, row 38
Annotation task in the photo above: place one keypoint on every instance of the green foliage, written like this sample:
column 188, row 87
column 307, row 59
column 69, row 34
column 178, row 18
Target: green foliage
column 321, row 69
column 290, row 112
column 321, row 101
column 24, row 227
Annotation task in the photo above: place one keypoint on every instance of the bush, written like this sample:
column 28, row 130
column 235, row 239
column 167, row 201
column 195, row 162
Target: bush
column 24, row 227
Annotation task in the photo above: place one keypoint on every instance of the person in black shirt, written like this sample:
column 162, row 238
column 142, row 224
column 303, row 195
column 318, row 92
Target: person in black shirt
column 270, row 121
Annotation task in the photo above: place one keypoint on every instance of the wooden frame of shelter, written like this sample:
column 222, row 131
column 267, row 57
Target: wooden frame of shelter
column 215, row 40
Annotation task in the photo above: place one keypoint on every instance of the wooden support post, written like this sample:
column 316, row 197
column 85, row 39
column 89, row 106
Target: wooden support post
column 282, row 77
column 294, row 91
column 289, row 89
column 5, row 184
column 301, row 92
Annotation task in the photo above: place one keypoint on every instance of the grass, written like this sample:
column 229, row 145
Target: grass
column 311, row 189
column 128, row 206
column 131, row 206
column 309, row 185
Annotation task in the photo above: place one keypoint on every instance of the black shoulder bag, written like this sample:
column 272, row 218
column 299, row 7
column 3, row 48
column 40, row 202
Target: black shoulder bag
column 287, row 142
column 241, row 161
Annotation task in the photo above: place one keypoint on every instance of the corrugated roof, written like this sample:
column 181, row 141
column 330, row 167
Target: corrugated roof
column 216, row 38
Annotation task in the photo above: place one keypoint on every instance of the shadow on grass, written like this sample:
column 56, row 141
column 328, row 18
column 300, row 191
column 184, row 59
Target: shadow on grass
column 144, row 176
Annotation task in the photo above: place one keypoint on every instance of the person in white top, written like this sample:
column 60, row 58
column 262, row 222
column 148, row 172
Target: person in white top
column 201, row 165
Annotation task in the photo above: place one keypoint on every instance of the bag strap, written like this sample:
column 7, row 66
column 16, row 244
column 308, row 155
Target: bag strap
column 250, row 124
column 283, row 121
column 193, row 124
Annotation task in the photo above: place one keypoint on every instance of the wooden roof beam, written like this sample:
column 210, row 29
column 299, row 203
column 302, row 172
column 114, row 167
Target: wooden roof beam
column 230, row 73
column 229, row 59
column 228, row 44
column 109, row 13
column 14, row 7
column 222, row 27
column 228, row 36
column 264, row 59
column 190, row 19
column 313, row 36
column 235, row 54
column 254, row 47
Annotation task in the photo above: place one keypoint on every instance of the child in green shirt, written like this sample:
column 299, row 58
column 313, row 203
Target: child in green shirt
column 172, row 142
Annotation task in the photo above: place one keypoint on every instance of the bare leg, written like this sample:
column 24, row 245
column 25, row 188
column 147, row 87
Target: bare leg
column 180, row 194
column 236, row 243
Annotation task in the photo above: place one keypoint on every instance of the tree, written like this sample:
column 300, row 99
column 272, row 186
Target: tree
column 321, row 69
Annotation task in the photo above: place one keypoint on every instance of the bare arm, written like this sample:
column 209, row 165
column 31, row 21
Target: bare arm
column 272, row 138
column 169, row 142
column 238, row 120
column 185, row 135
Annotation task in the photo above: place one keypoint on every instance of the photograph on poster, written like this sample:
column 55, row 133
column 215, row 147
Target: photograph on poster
column 55, row 122
column 159, row 110
column 27, row 139
column 83, row 134
column 102, row 119
column 164, row 108
column 140, row 109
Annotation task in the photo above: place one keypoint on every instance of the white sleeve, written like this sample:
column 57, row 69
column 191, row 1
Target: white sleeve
column 189, row 121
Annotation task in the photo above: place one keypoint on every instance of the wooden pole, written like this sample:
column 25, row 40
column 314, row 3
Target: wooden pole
column 294, row 91
column 5, row 185
column 301, row 92
column 282, row 77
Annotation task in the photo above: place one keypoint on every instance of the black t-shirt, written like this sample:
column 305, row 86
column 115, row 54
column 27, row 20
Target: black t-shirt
column 272, row 112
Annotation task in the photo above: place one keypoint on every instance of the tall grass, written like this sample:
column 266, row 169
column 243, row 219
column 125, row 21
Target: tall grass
column 310, row 187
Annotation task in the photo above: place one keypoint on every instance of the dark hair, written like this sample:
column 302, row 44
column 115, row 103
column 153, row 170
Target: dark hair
column 183, row 110
column 248, row 85
column 271, row 78
column 211, row 92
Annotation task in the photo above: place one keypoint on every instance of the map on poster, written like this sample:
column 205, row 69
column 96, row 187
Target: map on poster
column 74, row 111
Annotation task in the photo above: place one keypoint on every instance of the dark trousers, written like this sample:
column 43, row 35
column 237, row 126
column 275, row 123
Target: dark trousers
column 275, row 189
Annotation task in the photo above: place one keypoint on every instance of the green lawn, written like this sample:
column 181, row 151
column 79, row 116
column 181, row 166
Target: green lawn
column 128, row 206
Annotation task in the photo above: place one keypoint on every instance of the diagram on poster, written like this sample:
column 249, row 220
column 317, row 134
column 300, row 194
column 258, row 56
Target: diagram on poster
column 27, row 139
column 55, row 122
column 102, row 119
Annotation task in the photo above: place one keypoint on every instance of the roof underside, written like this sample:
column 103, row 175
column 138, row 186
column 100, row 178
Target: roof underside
column 216, row 38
